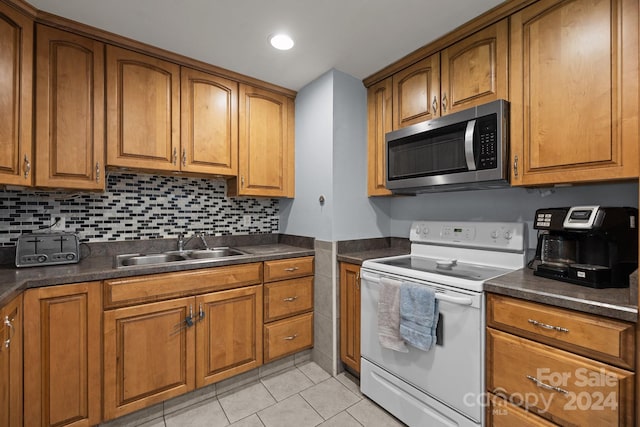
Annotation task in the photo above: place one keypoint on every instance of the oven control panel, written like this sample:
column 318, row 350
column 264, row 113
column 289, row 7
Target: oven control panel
column 496, row 235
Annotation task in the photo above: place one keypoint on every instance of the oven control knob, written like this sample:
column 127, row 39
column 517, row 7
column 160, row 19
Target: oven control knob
column 494, row 234
column 425, row 231
column 508, row 235
column 41, row 258
column 418, row 230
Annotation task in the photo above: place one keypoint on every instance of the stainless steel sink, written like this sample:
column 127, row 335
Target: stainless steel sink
column 214, row 253
column 182, row 257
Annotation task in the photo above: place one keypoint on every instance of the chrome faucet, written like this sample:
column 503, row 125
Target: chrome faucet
column 182, row 242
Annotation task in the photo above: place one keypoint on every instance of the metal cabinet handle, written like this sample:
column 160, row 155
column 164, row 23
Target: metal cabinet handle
column 547, row 326
column 201, row 313
column 444, row 102
column 12, row 332
column 184, row 157
column 547, row 386
column 242, row 182
column 358, row 279
column 434, row 105
column 290, row 299
column 291, row 337
column 97, row 171
column 27, row 167
column 515, row 166
column 175, row 156
column 290, row 269
column 189, row 319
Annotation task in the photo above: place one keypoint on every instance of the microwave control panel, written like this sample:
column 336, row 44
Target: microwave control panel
column 488, row 143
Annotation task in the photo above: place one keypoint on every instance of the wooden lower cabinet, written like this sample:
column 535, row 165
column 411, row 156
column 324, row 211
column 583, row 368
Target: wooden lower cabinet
column 228, row 334
column 501, row 413
column 350, row 315
column 62, row 355
column 557, row 385
column 11, row 363
column 288, row 336
column 148, row 355
column 156, row 351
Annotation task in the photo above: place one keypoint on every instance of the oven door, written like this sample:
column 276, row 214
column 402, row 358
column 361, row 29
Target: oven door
column 452, row 371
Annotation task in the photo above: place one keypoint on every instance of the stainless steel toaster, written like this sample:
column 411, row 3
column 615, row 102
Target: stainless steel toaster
column 37, row 249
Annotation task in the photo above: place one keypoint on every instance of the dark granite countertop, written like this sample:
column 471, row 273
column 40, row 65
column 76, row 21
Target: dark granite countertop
column 100, row 266
column 357, row 251
column 613, row 302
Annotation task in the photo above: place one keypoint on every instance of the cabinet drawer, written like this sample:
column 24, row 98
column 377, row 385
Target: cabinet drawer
column 287, row 298
column 156, row 287
column 288, row 336
column 559, row 386
column 604, row 339
column 288, row 268
column 503, row 414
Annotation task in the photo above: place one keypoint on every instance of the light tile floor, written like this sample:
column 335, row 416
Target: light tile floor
column 302, row 396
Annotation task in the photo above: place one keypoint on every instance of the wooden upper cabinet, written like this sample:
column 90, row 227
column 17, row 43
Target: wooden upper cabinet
column 475, row 70
column 574, row 91
column 69, row 110
column 143, row 111
column 266, row 144
column 379, row 122
column 416, row 92
column 16, row 84
column 209, row 134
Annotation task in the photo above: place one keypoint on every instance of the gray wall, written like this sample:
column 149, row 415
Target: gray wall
column 510, row 204
column 331, row 160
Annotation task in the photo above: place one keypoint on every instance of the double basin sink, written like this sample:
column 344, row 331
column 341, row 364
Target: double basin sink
column 182, row 257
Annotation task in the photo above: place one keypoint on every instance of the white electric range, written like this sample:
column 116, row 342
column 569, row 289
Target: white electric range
column 445, row 385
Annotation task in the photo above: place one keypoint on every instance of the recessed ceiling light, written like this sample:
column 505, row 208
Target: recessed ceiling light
column 281, row 41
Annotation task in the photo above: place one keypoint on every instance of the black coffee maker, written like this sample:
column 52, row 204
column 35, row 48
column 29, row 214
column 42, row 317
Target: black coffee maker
column 587, row 245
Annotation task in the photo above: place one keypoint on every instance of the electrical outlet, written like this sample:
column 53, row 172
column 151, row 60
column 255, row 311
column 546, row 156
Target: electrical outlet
column 246, row 220
column 57, row 223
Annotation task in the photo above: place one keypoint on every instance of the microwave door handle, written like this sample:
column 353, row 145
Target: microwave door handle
column 468, row 145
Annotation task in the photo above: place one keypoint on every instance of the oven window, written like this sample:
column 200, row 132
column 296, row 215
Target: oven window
column 429, row 153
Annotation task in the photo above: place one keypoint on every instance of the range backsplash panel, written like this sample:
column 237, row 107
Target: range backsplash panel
column 138, row 206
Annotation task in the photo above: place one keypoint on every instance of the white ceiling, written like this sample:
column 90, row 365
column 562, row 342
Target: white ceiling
column 358, row 37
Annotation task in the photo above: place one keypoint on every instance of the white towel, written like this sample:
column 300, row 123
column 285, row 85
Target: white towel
column 389, row 316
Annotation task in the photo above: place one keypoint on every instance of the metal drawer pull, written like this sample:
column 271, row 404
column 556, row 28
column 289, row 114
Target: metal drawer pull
column 291, row 337
column 27, row 166
column 290, row 299
column 546, row 326
column 201, row 313
column 547, row 386
column 292, row 269
column 8, row 324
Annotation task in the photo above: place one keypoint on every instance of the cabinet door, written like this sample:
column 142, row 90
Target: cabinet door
column 474, row 71
column 69, row 110
column 16, row 69
column 350, row 315
column 148, row 355
column 11, row 364
column 143, row 111
column 62, row 355
column 209, row 125
column 416, row 92
column 266, row 144
column 379, row 122
column 574, row 91
column 229, row 333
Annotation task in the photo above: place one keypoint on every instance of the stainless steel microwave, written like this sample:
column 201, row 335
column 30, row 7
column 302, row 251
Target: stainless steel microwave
column 459, row 151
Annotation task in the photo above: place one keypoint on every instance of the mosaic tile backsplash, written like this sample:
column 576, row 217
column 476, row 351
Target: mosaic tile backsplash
column 137, row 206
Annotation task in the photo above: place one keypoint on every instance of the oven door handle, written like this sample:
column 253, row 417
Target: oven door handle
column 439, row 295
